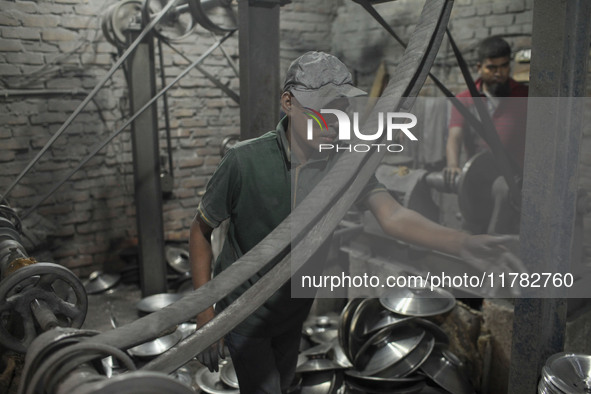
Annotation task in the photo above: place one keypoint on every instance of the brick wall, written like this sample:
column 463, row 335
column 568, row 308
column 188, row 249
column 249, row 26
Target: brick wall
column 59, row 45
column 51, row 45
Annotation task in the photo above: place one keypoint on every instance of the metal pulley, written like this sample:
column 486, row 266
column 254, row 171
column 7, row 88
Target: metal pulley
column 218, row 16
column 34, row 297
column 37, row 298
column 117, row 20
column 177, row 24
column 473, row 186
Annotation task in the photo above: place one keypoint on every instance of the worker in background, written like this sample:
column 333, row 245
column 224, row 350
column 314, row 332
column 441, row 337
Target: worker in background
column 509, row 118
column 256, row 185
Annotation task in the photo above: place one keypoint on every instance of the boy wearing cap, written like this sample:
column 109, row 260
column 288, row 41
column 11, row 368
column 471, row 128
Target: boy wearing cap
column 256, row 185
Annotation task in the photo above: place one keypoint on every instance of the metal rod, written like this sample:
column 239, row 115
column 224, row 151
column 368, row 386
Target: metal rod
column 233, row 95
column 127, row 123
column 229, row 59
column 88, row 98
column 44, row 315
column 165, row 103
column 40, row 92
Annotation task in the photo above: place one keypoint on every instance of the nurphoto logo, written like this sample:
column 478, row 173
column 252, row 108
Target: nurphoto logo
column 394, row 122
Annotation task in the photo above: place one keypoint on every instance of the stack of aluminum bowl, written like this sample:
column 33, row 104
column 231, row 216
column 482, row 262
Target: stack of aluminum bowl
column 393, row 348
column 321, row 361
column 566, row 373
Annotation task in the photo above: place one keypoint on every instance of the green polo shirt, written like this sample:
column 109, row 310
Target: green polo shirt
column 253, row 187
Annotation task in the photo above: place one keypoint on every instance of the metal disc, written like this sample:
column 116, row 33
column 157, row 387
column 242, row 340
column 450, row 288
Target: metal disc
column 386, row 348
column 321, row 329
column 445, row 369
column 157, row 346
column 364, row 320
column 345, row 323
column 120, row 17
column 56, row 286
column 210, row 382
column 569, row 372
column 98, row 282
column 418, row 301
column 371, row 316
column 156, row 302
column 228, row 374
column 317, row 364
column 337, row 354
column 321, row 382
column 412, row 361
column 177, row 258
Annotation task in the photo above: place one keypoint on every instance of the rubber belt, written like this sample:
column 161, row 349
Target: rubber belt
column 311, row 222
column 485, row 128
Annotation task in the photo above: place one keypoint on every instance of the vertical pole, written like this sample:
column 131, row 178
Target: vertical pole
column 141, row 76
column 259, row 66
column 560, row 49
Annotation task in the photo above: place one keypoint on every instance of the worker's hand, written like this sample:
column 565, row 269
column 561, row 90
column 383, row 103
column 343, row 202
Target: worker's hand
column 449, row 176
column 210, row 357
column 493, row 253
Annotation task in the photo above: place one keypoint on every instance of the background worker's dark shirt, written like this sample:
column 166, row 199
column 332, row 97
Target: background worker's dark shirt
column 253, row 187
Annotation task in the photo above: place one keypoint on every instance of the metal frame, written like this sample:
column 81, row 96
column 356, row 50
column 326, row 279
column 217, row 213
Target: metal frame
column 259, row 91
column 141, row 77
column 560, row 51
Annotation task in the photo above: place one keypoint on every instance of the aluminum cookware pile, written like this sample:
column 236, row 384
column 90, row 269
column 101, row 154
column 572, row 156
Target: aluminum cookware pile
column 383, row 345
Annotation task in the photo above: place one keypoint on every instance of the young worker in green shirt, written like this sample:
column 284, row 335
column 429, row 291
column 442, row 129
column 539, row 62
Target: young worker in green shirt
column 255, row 187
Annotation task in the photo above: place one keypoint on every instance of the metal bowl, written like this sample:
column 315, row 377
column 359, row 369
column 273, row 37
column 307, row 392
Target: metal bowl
column 321, row 382
column 211, row 383
column 156, row 346
column 418, row 301
column 412, row 361
column 186, row 329
column 345, row 323
column 228, row 374
column 370, row 317
column 387, row 347
column 98, row 282
column 337, row 354
column 320, row 324
column 445, row 369
column 317, row 364
column 156, row 302
column 568, row 373
column 177, row 258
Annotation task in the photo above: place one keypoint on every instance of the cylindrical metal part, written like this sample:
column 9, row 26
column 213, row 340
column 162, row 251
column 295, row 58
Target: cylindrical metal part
column 44, row 315
column 436, row 180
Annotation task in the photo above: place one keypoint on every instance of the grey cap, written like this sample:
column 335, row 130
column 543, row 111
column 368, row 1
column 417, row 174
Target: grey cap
column 318, row 77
